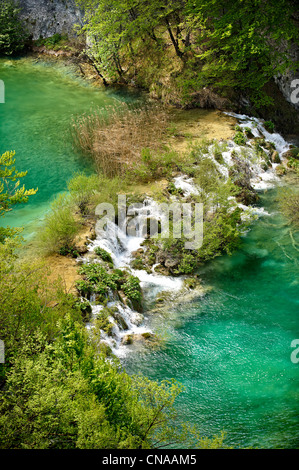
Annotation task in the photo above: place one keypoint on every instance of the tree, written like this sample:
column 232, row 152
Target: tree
column 13, row 35
column 241, row 43
column 224, row 44
column 10, row 191
column 67, row 395
column 112, row 28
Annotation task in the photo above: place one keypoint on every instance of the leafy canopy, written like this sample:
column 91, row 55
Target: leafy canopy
column 221, row 43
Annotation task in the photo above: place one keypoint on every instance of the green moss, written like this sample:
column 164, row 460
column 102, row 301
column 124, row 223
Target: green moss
column 103, row 254
column 132, row 288
column 240, row 138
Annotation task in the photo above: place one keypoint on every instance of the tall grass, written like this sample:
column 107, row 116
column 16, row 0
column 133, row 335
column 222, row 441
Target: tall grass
column 115, row 137
column 59, row 227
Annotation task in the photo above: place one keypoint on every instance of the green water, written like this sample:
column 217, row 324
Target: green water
column 231, row 350
column 41, row 101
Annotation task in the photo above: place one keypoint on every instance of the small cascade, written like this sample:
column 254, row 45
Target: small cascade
column 262, row 179
column 122, row 240
column 120, row 245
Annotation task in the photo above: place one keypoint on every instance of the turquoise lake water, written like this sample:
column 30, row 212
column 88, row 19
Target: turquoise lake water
column 40, row 102
column 230, row 349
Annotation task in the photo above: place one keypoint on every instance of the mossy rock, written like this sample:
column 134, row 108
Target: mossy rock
column 160, row 269
column 127, row 339
column 137, row 263
column 292, row 153
column 280, row 170
column 275, row 157
column 191, row 283
column 120, row 321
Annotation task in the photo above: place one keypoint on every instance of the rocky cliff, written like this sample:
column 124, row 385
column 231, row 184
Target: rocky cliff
column 47, row 17
column 285, row 81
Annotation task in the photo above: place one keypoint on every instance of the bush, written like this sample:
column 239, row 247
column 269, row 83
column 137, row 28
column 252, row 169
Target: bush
column 132, row 288
column 13, row 35
column 53, row 41
column 240, row 138
column 59, row 228
column 269, row 126
column 103, row 254
column 82, row 189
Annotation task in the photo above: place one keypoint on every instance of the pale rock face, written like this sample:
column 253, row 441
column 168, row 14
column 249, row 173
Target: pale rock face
column 44, row 18
column 284, row 81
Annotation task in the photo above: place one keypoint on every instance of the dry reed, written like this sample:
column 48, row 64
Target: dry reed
column 115, row 136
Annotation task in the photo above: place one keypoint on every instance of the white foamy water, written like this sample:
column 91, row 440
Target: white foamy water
column 121, row 243
column 258, row 130
column 120, row 246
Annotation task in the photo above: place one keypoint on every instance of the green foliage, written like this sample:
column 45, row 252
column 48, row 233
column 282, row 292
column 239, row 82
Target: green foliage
column 10, row 191
column 238, row 38
column 97, row 279
column 269, row 126
column 137, row 263
column 13, row 35
column 154, row 165
column 59, row 227
column 216, row 43
column 293, row 163
column 54, row 42
column 66, row 395
column 240, row 138
column 132, row 288
column 33, row 302
column 69, row 251
column 83, row 189
column 103, row 254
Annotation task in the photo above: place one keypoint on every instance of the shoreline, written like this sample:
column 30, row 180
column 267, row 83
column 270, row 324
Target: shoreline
column 190, row 127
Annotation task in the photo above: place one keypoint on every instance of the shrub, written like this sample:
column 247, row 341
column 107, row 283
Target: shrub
column 269, row 126
column 103, row 254
column 53, row 42
column 132, row 288
column 240, row 138
column 82, row 189
column 59, row 227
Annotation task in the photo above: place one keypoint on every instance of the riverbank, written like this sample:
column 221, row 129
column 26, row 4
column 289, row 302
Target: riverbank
column 162, row 82
column 149, row 261
column 193, row 138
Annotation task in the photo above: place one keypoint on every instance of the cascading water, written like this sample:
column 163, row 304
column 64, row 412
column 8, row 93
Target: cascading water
column 116, row 241
column 120, row 245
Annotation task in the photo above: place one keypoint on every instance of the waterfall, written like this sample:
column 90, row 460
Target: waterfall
column 121, row 241
column 116, row 241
